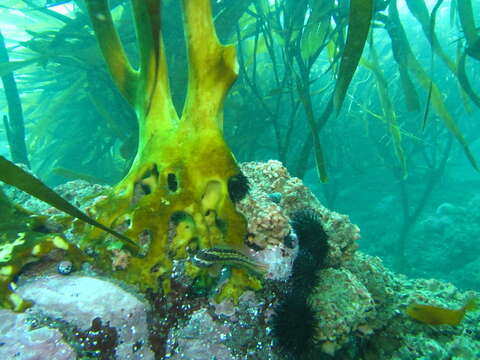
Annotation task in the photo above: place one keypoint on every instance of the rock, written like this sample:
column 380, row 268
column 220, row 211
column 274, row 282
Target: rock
column 86, row 302
column 202, row 339
column 18, row 341
column 352, row 309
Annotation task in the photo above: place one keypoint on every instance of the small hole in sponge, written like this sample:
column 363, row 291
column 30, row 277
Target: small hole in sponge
column 179, row 216
column 155, row 171
column 146, row 189
column 221, row 225
column 172, row 182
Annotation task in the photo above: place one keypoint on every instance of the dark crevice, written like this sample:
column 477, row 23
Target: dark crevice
column 178, row 216
column 155, row 171
column 221, row 225
column 146, row 189
column 172, row 182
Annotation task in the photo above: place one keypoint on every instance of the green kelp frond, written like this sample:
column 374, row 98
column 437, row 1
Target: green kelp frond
column 361, row 12
column 420, row 11
column 387, row 107
column 465, row 13
column 21, row 179
column 463, row 79
column 400, row 42
column 11, row 66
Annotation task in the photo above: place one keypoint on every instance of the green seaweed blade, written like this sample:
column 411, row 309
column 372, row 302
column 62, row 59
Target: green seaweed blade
column 387, row 108
column 14, row 175
column 361, row 12
column 11, row 66
column 399, row 40
column 463, row 79
column 465, row 14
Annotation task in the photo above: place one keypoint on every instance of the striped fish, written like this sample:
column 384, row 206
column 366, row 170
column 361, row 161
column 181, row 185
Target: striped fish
column 217, row 256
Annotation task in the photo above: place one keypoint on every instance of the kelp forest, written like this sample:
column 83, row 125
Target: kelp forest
column 407, row 114
column 373, row 104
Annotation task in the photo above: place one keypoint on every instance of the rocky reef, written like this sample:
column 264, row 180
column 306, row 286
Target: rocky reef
column 357, row 305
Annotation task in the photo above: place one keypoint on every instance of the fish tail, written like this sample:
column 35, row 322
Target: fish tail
column 262, row 268
column 471, row 304
column 256, row 268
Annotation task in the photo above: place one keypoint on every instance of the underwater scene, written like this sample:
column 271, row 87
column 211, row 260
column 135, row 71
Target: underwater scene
column 240, row 179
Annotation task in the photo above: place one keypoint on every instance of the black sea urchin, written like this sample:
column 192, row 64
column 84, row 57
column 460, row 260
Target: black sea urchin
column 294, row 325
column 294, row 321
column 238, row 187
column 311, row 236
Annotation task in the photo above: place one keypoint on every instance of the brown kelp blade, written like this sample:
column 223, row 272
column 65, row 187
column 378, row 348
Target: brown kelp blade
column 19, row 178
column 361, row 12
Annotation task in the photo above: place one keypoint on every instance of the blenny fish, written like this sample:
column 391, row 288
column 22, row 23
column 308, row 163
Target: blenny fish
column 225, row 256
column 435, row 315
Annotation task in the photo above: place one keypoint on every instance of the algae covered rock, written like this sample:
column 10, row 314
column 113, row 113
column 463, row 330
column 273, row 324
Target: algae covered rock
column 351, row 311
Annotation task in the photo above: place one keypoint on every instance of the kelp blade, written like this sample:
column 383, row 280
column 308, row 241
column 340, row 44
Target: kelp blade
column 431, row 34
column 11, row 66
column 387, row 108
column 463, row 79
column 399, row 40
column 467, row 20
column 420, row 11
column 14, row 175
column 361, row 12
